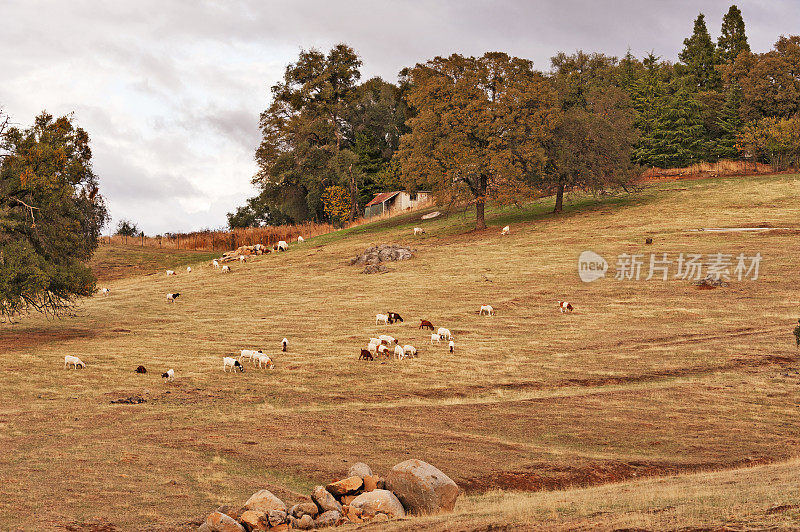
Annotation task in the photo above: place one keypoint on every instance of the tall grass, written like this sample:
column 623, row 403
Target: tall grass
column 723, row 167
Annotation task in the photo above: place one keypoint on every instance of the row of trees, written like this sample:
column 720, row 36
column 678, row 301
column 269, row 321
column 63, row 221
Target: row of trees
column 493, row 127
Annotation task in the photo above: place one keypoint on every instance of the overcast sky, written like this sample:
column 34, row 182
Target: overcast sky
column 170, row 91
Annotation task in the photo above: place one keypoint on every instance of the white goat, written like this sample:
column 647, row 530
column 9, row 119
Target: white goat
column 188, row 269
column 381, row 319
column 284, row 345
column 445, row 333
column 383, row 350
column 452, row 346
column 242, row 258
column 282, row 246
column 232, row 363
column 247, row 353
column 410, row 350
column 436, row 338
column 418, row 231
column 104, row 291
column 226, row 269
column 266, row 360
column 169, row 375
column 74, row 361
column 171, row 272
column 389, row 340
column 487, row 309
column 172, row 297
column 399, row 352
column 506, row 230
column 300, row 239
column 215, row 264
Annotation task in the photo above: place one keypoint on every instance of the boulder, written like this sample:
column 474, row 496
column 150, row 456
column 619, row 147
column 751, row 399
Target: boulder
column 304, row 508
column 359, row 469
column 264, row 501
column 381, row 484
column 371, row 482
column 276, row 517
column 254, row 520
column 329, row 518
column 280, row 528
column 347, row 499
column 372, row 502
column 204, row 528
column 380, row 517
column 422, row 488
column 325, row 500
column 219, row 522
column 304, row 523
column 345, row 486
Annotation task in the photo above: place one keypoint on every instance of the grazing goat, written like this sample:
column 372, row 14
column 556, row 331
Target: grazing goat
column 284, row 344
column 215, row 264
column 381, row 318
column 565, row 306
column 366, row 355
column 168, row 375
column 104, row 291
column 487, row 309
column 436, row 338
column 232, row 363
column 264, row 359
column 418, row 231
column 141, row 369
column 425, row 324
column 383, row 350
column 248, row 354
column 300, row 239
column 281, row 246
column 648, row 240
column 172, row 297
column 188, row 269
column 506, row 230
column 452, row 346
column 410, row 350
column 399, row 352
column 445, row 333
column 394, row 316
column 226, row 269
column 242, row 258
column 171, row 272
column 73, row 361
column 386, row 339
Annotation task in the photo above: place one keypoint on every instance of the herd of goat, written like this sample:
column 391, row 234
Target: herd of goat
column 384, row 345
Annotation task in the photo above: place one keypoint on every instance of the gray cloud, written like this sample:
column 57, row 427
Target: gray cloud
column 170, row 92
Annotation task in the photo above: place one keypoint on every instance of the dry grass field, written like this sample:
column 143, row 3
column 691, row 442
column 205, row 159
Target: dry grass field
column 654, row 405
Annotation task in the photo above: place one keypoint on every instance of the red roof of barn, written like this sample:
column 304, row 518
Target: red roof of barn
column 383, row 196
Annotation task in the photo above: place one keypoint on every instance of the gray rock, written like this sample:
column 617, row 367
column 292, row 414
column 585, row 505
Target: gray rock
column 359, row 469
column 422, row 488
column 304, row 508
column 329, row 518
column 276, row 517
column 304, row 523
column 325, row 500
column 379, row 501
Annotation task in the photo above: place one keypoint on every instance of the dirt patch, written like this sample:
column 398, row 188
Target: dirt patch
column 33, row 337
column 131, row 400
column 101, row 525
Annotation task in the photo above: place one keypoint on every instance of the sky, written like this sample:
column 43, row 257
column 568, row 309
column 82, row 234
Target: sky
column 170, row 91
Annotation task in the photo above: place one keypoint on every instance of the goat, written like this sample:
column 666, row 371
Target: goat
column 410, row 350
column 382, row 318
column 366, row 355
column 565, row 306
column 141, row 369
column 281, row 246
column 506, row 230
column 215, row 264
column 242, row 258
column 445, row 333
column 388, row 340
column 171, row 272
column 436, row 338
column 168, row 375
column 487, row 309
column 399, row 352
column 425, row 324
column 418, row 231
column 300, row 239
column 284, row 344
column 232, row 363
column 172, row 297
column 264, row 359
column 452, row 346
column 226, row 269
column 74, row 361
column 383, row 350
column 188, row 269
column 104, row 291
column 394, row 316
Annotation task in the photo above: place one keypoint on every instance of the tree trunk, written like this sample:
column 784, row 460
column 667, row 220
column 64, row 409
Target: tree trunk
column 353, row 196
column 480, row 204
column 559, row 198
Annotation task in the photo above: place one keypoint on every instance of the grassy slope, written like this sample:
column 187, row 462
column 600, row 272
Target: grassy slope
column 646, row 378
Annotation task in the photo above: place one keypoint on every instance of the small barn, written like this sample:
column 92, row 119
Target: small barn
column 396, row 201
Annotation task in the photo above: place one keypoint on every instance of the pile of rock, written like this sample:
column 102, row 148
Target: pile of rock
column 374, row 256
column 411, row 487
column 710, row 281
column 257, row 249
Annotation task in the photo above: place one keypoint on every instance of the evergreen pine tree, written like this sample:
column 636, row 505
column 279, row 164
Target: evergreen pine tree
column 648, row 96
column 699, row 59
column 680, row 138
column 733, row 39
column 730, row 124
